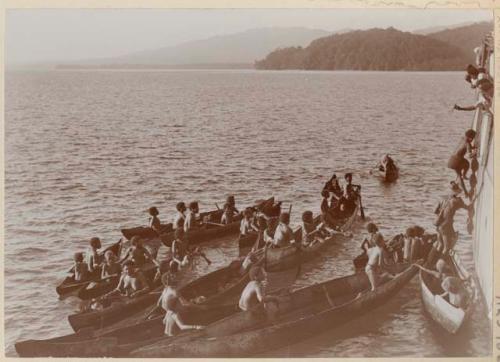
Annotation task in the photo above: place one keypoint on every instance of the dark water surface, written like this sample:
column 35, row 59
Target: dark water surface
column 89, row 152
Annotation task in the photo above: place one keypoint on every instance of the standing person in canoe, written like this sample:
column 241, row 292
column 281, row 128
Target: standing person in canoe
column 458, row 162
column 374, row 267
column 179, row 250
column 445, row 211
column 190, row 221
column 253, row 294
column 80, row 268
column 180, row 217
column 169, row 292
column 93, row 259
column 351, row 194
column 283, row 235
column 138, row 254
column 229, row 211
column 111, row 266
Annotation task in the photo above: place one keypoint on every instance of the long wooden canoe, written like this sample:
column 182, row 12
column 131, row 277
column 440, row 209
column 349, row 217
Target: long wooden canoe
column 300, row 315
column 109, row 342
column 449, row 317
column 71, row 287
column 135, row 331
column 208, row 231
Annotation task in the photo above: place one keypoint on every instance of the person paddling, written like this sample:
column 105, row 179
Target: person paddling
column 445, row 212
column 179, row 250
column 387, row 163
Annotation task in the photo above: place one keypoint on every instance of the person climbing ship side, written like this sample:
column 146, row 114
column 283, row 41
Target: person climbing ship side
column 458, row 162
column 445, row 211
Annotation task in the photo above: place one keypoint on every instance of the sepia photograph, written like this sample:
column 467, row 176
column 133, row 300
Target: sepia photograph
column 233, row 183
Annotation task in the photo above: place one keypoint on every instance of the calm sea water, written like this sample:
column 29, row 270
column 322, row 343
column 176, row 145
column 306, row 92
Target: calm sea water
column 88, row 152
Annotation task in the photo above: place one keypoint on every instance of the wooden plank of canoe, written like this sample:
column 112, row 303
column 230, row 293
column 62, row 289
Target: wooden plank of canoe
column 248, row 333
column 99, row 347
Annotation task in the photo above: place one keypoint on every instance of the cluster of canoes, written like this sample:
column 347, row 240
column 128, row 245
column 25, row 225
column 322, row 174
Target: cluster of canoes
column 129, row 324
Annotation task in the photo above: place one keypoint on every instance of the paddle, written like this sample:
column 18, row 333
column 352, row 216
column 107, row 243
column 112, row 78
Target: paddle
column 213, row 223
column 362, row 211
column 217, row 206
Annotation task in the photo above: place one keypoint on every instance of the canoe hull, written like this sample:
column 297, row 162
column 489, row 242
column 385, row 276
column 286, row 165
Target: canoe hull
column 268, row 335
column 446, row 315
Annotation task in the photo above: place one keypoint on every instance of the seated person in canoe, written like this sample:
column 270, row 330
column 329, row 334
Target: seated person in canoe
column 247, row 225
column 132, row 282
column 110, row 266
column 138, row 254
column 154, row 221
column 283, row 235
column 229, row 210
column 179, row 251
column 374, row 267
column 312, row 234
column 190, row 222
column 386, row 163
column 93, row 258
column 180, row 216
column 453, row 287
column 351, row 195
column 333, row 187
column 80, row 268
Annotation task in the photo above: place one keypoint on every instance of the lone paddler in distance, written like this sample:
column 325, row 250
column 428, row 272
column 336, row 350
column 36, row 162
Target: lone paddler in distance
column 458, row 162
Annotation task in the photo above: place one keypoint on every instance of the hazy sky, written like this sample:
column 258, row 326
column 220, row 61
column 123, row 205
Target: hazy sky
column 37, row 35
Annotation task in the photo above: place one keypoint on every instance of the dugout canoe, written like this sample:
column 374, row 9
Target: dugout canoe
column 450, row 317
column 299, row 315
column 210, row 230
column 110, row 342
column 71, row 287
column 136, row 331
column 223, row 284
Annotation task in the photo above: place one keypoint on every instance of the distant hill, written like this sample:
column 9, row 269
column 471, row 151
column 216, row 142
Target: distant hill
column 465, row 38
column 239, row 48
column 374, row 49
